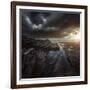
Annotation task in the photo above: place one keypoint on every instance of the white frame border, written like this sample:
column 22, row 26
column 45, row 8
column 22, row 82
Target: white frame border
column 55, row 79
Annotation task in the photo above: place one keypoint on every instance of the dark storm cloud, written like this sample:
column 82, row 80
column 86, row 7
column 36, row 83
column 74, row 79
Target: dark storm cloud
column 42, row 22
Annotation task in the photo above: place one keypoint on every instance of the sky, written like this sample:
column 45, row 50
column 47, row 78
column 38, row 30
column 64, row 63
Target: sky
column 50, row 24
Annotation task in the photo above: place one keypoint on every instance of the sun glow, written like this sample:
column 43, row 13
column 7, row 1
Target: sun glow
column 75, row 37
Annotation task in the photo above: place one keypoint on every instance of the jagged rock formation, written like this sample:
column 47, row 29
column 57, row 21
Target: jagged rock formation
column 41, row 58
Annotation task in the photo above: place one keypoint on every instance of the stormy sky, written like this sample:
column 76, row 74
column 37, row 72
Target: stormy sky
column 44, row 24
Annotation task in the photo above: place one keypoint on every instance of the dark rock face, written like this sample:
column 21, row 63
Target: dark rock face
column 43, row 59
column 40, row 63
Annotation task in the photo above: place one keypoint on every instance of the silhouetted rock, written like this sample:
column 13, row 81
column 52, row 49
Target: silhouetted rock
column 43, row 59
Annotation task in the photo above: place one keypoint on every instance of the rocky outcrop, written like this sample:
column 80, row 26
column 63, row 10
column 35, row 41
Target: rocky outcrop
column 41, row 58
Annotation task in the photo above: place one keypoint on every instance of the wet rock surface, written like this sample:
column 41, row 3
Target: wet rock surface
column 41, row 58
